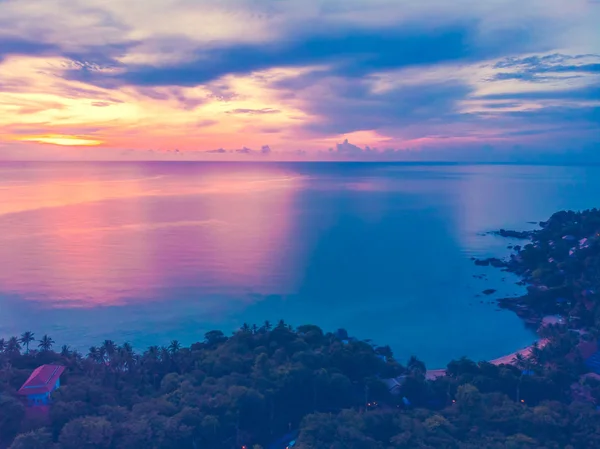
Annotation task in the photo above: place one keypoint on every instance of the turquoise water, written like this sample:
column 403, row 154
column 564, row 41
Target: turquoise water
column 149, row 252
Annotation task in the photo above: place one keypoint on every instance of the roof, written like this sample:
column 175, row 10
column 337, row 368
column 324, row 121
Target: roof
column 42, row 380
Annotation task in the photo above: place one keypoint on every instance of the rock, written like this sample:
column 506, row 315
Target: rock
column 525, row 235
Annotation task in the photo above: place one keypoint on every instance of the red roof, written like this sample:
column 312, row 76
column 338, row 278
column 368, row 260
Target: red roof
column 42, row 380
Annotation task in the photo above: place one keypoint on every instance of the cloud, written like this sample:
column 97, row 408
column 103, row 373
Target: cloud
column 340, row 106
column 206, row 123
column 17, row 46
column 391, row 73
column 353, row 52
column 254, row 111
column 590, row 92
column 548, row 67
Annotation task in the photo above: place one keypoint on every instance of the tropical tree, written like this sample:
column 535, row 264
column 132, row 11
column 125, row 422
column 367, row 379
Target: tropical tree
column 267, row 326
column 13, row 346
column 245, row 328
column 174, row 347
column 2, row 345
column 94, row 354
column 27, row 338
column 46, row 343
column 65, row 351
column 109, row 347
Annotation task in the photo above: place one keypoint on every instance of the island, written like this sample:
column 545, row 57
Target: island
column 273, row 386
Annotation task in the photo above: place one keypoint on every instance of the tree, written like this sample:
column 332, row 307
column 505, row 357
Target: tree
column 13, row 346
column 215, row 337
column 2, row 345
column 267, row 326
column 36, row 439
column 416, row 367
column 174, row 347
column 12, row 413
column 109, row 347
column 468, row 399
column 90, row 432
column 46, row 343
column 65, row 351
column 95, row 355
column 26, row 338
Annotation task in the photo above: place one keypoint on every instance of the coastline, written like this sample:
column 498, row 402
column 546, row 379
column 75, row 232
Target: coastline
column 508, row 359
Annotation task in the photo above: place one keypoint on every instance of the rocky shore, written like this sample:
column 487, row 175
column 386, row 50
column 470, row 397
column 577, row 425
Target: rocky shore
column 560, row 267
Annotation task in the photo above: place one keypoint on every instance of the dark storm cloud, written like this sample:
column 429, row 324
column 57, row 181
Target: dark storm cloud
column 17, row 46
column 349, row 52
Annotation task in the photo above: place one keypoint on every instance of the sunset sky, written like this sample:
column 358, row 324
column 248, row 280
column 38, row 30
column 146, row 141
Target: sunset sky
column 492, row 80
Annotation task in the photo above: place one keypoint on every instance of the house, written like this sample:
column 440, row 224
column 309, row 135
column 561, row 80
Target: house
column 42, row 382
column 394, row 384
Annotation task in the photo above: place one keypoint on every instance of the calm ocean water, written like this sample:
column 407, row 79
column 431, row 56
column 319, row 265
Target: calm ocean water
column 150, row 252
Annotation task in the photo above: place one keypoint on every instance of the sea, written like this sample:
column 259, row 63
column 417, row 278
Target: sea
column 149, row 252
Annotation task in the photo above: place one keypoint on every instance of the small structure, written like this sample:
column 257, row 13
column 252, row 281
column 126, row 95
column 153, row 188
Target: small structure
column 394, row 385
column 43, row 381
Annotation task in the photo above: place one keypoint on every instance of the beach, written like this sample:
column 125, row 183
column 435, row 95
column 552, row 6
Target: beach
column 508, row 359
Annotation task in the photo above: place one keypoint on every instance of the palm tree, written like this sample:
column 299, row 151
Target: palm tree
column 2, row 345
column 281, row 324
column 13, row 346
column 524, row 365
column 65, row 351
column 245, row 328
column 127, row 356
column 174, row 347
column 46, row 343
column 127, row 348
column 109, row 347
column 27, row 338
column 93, row 354
column 152, row 353
column 267, row 326
column 254, row 329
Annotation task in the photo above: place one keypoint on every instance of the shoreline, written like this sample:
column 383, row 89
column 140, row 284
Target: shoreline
column 507, row 359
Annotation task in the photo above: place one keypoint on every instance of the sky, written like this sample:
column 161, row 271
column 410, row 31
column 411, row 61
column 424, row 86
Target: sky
column 461, row 80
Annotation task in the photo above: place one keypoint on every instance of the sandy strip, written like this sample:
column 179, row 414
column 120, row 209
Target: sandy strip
column 505, row 360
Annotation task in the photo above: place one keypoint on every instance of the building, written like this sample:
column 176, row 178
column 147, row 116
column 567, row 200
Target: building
column 42, row 382
column 394, row 385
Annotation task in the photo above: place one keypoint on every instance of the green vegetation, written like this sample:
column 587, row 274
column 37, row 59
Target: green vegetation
column 253, row 387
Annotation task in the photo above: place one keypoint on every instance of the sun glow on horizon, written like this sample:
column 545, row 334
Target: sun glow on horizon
column 62, row 140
